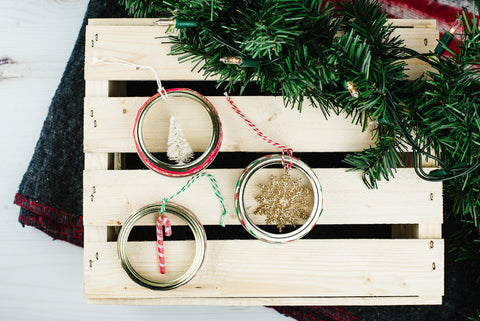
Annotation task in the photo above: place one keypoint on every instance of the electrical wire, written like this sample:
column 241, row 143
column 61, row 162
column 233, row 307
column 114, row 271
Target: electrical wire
column 418, row 152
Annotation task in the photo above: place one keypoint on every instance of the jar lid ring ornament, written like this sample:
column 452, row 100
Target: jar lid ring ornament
column 192, row 221
column 200, row 245
column 180, row 169
column 254, row 229
column 188, row 168
column 288, row 162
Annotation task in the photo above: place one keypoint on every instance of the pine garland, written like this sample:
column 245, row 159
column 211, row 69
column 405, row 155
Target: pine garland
column 294, row 50
column 144, row 8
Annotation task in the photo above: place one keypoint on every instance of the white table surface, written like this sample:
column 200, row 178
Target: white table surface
column 41, row 279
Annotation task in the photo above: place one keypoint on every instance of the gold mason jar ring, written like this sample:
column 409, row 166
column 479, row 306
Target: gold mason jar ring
column 200, row 245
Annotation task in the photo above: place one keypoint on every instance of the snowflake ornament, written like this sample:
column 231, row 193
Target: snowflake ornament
column 283, row 201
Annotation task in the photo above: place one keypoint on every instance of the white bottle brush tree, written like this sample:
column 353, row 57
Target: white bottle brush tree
column 178, row 150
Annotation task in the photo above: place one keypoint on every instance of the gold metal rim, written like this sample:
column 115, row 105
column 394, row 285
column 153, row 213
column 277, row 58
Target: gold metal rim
column 200, row 245
column 256, row 231
column 179, row 169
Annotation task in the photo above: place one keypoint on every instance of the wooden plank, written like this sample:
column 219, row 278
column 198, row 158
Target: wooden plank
column 429, row 231
column 96, row 88
column 96, row 161
column 123, row 21
column 415, row 23
column 405, row 231
column 411, row 23
column 417, row 231
column 403, row 200
column 118, row 161
column 309, row 301
column 419, row 39
column 115, row 117
column 95, row 234
column 133, row 42
column 136, row 44
column 257, row 269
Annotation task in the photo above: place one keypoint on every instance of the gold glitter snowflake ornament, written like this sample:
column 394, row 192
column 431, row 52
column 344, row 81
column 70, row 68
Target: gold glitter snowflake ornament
column 283, row 201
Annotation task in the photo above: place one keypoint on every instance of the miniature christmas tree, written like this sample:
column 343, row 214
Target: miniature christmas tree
column 178, row 149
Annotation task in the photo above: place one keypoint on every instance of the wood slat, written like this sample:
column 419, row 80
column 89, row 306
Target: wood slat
column 111, row 126
column 426, row 231
column 257, row 269
column 413, row 23
column 403, row 200
column 124, row 21
column 137, row 43
column 410, row 23
column 311, row 301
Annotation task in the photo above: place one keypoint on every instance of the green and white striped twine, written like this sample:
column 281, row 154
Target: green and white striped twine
column 192, row 180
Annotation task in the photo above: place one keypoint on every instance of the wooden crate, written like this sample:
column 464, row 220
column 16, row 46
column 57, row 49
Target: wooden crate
column 406, row 269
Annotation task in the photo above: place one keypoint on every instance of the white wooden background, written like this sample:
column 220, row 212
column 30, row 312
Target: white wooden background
column 41, row 279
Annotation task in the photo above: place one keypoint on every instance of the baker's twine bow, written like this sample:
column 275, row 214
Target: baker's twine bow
column 215, row 187
column 162, row 219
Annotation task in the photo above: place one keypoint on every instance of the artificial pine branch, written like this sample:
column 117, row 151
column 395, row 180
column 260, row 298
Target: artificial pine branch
column 144, row 8
column 301, row 56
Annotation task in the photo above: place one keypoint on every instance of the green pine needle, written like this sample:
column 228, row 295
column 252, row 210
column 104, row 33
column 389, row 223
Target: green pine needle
column 308, row 49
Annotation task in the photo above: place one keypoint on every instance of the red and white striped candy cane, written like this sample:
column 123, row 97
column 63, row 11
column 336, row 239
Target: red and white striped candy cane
column 162, row 220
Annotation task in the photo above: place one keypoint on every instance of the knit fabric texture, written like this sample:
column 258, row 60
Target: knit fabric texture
column 50, row 194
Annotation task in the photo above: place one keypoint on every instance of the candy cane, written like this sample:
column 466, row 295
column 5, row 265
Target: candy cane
column 168, row 226
column 162, row 220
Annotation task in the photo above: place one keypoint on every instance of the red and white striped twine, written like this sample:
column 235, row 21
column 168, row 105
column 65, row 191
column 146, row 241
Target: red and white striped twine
column 162, row 220
column 285, row 150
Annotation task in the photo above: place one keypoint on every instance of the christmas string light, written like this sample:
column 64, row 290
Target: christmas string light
column 351, row 89
column 231, row 60
column 239, row 61
column 437, row 175
column 447, row 37
column 176, row 23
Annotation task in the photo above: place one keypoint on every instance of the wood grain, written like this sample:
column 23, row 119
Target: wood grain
column 358, row 268
column 307, row 131
column 237, row 272
column 137, row 43
column 303, row 301
column 406, row 199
